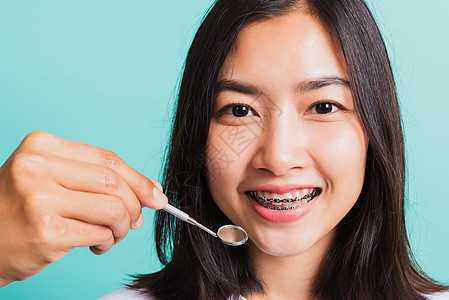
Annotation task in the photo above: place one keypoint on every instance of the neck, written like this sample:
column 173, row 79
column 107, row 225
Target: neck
column 288, row 277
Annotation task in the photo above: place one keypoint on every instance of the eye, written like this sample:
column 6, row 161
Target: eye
column 326, row 107
column 238, row 110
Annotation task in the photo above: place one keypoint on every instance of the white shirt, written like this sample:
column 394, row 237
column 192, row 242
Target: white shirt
column 126, row 294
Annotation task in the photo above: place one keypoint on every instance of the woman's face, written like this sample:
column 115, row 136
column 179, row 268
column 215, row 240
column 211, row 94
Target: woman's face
column 286, row 150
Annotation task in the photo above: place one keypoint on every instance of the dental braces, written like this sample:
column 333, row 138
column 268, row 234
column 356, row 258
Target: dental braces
column 287, row 200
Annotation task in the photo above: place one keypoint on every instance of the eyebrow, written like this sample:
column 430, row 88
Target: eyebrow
column 237, row 86
column 315, row 84
column 303, row 86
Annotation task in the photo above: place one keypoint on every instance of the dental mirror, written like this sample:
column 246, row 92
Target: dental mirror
column 231, row 235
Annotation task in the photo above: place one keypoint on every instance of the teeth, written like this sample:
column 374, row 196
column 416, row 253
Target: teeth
column 288, row 196
column 285, row 201
column 298, row 193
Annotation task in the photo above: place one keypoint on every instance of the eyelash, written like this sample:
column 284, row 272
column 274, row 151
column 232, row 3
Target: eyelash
column 336, row 104
column 223, row 110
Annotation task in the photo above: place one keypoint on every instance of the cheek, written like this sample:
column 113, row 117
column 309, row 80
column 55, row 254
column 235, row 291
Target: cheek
column 228, row 158
column 341, row 148
column 227, row 151
column 340, row 156
column 225, row 162
column 219, row 161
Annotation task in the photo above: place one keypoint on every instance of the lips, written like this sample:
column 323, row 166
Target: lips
column 283, row 209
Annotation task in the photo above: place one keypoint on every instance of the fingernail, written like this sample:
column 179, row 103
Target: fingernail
column 160, row 197
column 139, row 222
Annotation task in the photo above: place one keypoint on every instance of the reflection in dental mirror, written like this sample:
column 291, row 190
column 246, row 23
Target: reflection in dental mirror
column 232, row 235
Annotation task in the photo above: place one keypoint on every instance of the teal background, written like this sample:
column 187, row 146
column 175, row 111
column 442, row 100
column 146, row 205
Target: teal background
column 105, row 73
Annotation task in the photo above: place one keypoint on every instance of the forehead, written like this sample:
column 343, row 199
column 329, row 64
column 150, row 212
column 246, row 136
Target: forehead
column 296, row 44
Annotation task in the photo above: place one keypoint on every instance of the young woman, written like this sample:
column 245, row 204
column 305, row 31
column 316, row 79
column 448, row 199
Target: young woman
column 287, row 125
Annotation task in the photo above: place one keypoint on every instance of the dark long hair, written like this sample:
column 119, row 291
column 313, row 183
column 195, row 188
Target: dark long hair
column 370, row 257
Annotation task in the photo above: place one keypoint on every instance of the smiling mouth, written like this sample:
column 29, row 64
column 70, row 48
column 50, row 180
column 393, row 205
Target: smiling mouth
column 284, row 203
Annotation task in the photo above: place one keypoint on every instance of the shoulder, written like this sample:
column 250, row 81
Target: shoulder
column 125, row 293
column 438, row 296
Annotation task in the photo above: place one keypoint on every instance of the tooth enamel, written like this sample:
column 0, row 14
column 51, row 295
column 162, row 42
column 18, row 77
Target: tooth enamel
column 277, row 196
column 284, row 201
column 295, row 195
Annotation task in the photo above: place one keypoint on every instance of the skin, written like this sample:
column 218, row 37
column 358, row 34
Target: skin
column 288, row 142
column 57, row 194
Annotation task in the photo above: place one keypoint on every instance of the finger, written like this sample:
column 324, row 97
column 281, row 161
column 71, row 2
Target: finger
column 143, row 187
column 81, row 176
column 98, row 209
column 81, row 234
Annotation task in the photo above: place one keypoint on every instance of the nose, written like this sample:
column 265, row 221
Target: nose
column 283, row 145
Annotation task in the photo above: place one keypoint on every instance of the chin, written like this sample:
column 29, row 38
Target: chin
column 280, row 245
column 288, row 243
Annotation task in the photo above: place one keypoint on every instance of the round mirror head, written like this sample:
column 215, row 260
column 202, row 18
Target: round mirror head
column 232, row 235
